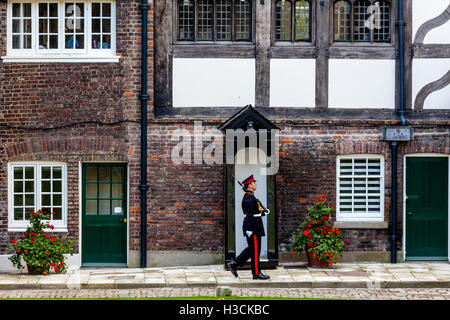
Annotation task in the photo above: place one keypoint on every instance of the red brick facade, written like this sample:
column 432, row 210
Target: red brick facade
column 79, row 112
column 76, row 112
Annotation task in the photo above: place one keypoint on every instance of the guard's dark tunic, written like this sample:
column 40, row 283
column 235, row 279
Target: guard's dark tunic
column 250, row 207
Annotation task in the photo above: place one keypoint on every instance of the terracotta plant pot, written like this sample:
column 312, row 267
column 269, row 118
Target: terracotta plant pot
column 36, row 270
column 314, row 262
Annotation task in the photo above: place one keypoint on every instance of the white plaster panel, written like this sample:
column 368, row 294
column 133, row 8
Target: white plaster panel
column 424, row 10
column 361, row 83
column 213, row 82
column 292, row 82
column 426, row 71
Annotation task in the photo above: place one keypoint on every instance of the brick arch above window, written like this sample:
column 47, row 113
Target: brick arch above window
column 88, row 149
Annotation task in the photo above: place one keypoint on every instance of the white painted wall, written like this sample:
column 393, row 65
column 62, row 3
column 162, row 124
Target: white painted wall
column 292, row 82
column 213, row 82
column 424, row 10
column 425, row 71
column 361, row 83
column 243, row 169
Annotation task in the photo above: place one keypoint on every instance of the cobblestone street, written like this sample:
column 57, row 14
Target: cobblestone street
column 327, row 293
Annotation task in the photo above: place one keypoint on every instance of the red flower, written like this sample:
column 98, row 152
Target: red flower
column 311, row 222
column 325, row 254
column 346, row 245
column 53, row 239
column 334, row 204
column 346, row 239
column 325, row 218
column 317, row 229
column 309, row 244
column 338, row 232
column 324, row 196
column 13, row 240
column 18, row 251
column 26, row 233
column 26, row 252
column 309, row 236
column 319, row 199
column 305, row 232
column 293, row 252
column 46, row 251
column 32, row 241
column 43, row 262
column 45, row 274
column 330, row 262
column 62, row 247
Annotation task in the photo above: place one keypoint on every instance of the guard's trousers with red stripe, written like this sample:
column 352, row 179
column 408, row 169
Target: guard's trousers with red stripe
column 252, row 251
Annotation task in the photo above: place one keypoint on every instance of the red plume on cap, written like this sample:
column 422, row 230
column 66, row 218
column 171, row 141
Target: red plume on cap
column 248, row 180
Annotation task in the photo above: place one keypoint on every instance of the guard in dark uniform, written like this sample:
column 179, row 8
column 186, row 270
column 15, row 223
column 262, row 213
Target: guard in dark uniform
column 253, row 230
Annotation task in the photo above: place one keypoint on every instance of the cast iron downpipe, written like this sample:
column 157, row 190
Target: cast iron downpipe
column 144, row 97
column 401, row 112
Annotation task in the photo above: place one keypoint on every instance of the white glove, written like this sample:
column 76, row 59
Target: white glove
column 249, row 233
column 267, row 212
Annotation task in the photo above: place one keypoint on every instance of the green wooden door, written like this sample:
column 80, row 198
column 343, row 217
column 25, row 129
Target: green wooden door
column 104, row 215
column 427, row 208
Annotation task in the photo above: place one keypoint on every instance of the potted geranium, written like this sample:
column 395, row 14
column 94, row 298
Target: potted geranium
column 39, row 250
column 317, row 236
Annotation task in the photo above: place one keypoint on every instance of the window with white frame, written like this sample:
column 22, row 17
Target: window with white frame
column 32, row 186
column 360, row 188
column 60, row 31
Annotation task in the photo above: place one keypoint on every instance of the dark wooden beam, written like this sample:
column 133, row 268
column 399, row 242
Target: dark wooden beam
column 262, row 54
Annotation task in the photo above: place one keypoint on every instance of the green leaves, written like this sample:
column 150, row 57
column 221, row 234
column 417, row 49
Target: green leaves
column 38, row 249
column 317, row 233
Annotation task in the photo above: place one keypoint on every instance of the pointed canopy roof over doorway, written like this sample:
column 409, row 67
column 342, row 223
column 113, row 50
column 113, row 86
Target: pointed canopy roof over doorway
column 247, row 118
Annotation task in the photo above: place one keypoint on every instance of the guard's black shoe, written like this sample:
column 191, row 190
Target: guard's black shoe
column 233, row 268
column 260, row 276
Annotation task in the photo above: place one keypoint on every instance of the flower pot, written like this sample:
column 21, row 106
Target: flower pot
column 314, row 262
column 37, row 270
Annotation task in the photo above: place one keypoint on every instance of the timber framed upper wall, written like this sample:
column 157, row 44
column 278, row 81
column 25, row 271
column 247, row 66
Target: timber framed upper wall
column 321, row 52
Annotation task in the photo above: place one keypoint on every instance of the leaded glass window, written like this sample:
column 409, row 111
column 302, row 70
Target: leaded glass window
column 186, row 20
column 205, row 20
column 293, row 20
column 243, row 18
column 223, row 18
column 214, row 20
column 362, row 21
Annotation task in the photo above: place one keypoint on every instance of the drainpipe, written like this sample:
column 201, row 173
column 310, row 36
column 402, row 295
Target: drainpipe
column 394, row 203
column 144, row 97
column 401, row 112
column 401, row 62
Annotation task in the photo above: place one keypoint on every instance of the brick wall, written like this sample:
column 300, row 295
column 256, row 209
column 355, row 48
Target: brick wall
column 186, row 202
column 95, row 105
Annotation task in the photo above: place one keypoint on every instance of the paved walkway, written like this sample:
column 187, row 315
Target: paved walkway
column 307, row 293
column 343, row 275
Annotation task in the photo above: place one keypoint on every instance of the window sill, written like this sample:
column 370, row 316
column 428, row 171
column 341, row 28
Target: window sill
column 59, row 59
column 361, row 224
column 24, row 228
